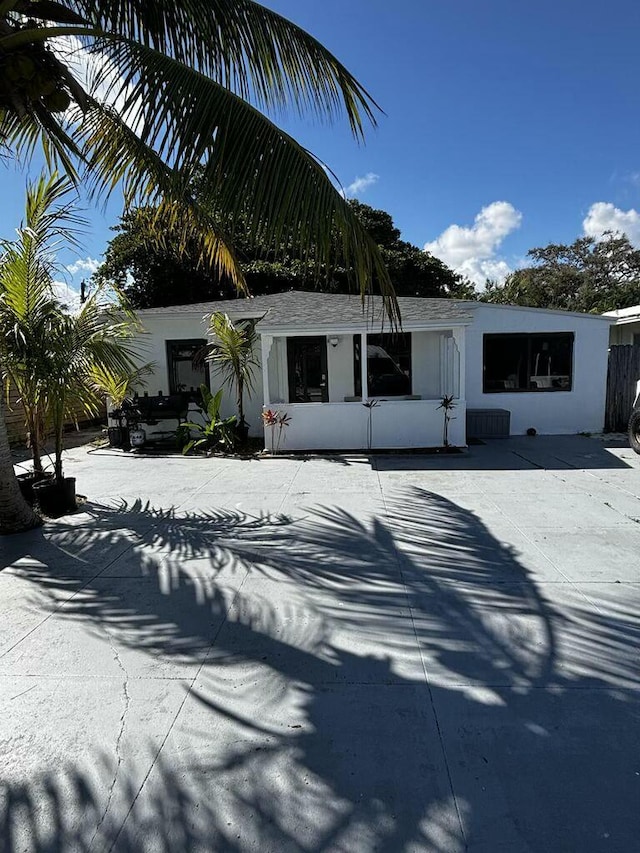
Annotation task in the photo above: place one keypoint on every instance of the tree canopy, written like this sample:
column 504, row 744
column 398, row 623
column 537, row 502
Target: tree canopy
column 153, row 272
column 589, row 275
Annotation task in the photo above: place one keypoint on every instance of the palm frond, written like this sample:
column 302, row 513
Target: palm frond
column 251, row 169
column 183, row 77
column 247, row 48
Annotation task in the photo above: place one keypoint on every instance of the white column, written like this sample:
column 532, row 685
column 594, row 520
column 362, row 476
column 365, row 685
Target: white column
column 444, row 365
column 459, row 336
column 364, row 377
column 266, row 342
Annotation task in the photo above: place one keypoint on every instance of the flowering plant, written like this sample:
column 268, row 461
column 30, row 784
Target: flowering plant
column 279, row 420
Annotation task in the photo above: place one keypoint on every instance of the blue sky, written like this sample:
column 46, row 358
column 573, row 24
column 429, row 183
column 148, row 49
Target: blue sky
column 507, row 125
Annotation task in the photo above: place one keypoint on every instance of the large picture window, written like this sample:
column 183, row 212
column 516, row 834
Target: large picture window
column 535, row 362
column 187, row 370
column 388, row 365
column 307, row 366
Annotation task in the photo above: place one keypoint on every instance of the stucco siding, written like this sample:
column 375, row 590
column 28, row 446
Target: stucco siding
column 625, row 333
column 560, row 412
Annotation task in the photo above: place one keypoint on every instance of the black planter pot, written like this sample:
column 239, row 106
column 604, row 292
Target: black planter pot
column 56, row 498
column 28, row 481
column 118, row 436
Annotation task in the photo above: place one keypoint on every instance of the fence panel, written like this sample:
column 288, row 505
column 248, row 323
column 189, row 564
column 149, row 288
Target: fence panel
column 622, row 377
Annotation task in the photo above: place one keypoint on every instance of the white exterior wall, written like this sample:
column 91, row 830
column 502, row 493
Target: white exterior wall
column 334, row 425
column 426, row 367
column 559, row 412
column 425, row 364
column 340, row 367
column 161, row 329
column 624, row 333
column 340, row 425
column 396, row 424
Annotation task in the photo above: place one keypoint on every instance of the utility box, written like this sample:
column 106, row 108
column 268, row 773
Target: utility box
column 488, row 423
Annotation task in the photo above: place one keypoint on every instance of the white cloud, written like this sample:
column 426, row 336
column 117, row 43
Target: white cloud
column 88, row 265
column 100, row 76
column 604, row 216
column 471, row 250
column 66, row 294
column 360, row 185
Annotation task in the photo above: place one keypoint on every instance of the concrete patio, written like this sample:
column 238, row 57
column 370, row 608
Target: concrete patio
column 403, row 653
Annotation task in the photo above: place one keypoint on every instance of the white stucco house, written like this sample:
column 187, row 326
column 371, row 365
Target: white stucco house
column 626, row 326
column 508, row 368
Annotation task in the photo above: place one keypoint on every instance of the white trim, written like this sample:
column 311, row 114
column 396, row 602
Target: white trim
column 460, row 338
column 626, row 321
column 364, row 368
column 266, row 342
column 314, row 331
column 583, row 314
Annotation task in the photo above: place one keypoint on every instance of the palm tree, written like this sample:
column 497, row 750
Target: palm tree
column 27, row 308
column 142, row 94
column 233, row 354
column 86, row 353
column 145, row 94
column 27, row 303
column 60, row 362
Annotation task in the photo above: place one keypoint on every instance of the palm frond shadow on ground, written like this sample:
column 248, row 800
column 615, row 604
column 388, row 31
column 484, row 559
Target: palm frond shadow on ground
column 310, row 724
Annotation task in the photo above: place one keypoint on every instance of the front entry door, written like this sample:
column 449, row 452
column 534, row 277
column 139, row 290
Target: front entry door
column 307, row 362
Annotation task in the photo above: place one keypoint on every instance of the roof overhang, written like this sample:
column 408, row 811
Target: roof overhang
column 279, row 330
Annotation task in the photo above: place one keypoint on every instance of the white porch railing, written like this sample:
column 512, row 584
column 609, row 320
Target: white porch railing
column 395, row 424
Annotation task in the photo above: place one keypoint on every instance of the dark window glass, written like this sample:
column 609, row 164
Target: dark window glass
column 636, row 339
column 535, row 362
column 388, row 365
column 186, row 367
column 307, row 365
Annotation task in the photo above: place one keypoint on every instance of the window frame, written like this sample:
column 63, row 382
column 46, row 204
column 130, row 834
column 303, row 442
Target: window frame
column 170, row 346
column 529, row 337
column 357, row 365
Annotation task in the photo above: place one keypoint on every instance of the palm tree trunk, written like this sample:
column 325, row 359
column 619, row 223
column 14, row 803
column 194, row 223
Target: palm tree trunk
column 240, row 401
column 59, row 432
column 35, row 440
column 15, row 512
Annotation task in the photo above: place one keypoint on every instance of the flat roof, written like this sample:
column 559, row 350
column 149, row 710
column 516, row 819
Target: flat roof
column 624, row 315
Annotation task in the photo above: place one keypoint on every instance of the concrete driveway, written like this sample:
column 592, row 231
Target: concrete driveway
column 408, row 653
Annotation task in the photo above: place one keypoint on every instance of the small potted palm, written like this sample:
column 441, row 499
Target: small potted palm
column 27, row 306
column 47, row 351
column 86, row 351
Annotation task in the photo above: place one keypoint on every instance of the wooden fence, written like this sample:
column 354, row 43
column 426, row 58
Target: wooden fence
column 14, row 417
column 622, row 377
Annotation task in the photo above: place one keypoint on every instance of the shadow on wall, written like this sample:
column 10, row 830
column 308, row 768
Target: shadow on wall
column 310, row 725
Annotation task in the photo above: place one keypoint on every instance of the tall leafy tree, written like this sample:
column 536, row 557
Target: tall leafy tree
column 153, row 273
column 588, row 275
column 140, row 94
